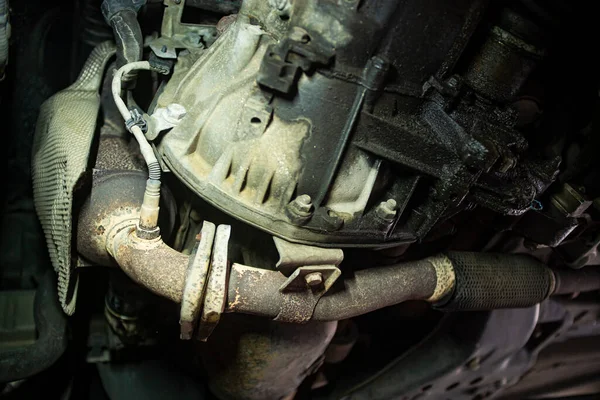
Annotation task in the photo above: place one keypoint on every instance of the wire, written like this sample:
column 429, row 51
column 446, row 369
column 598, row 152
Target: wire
column 148, row 224
column 133, row 123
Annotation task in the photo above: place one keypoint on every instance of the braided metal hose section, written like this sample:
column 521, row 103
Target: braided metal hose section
column 490, row 281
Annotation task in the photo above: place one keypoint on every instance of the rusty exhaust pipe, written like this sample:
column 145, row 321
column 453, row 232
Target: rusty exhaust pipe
column 456, row 281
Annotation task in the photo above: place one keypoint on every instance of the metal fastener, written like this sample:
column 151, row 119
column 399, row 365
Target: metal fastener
column 387, row 210
column 452, row 82
column 303, row 203
column 300, row 209
column 314, row 279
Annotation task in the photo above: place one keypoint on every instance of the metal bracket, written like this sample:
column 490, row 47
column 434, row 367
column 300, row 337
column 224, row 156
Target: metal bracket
column 303, row 290
column 195, row 280
column 205, row 290
column 177, row 35
column 283, row 62
column 163, row 119
column 312, row 271
column 293, row 255
column 216, row 290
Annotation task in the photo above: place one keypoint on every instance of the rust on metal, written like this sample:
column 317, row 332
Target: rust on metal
column 195, row 280
column 300, row 297
column 445, row 277
column 151, row 263
column 252, row 291
column 114, row 202
column 216, row 289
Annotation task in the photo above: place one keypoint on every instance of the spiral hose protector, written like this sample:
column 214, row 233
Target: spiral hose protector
column 154, row 171
column 490, row 281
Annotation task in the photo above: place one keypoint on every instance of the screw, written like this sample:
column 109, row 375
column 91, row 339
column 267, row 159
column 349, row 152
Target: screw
column 175, row 112
column 314, row 279
column 163, row 49
column 387, row 210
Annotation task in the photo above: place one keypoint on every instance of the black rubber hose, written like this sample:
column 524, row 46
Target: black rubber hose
column 51, row 324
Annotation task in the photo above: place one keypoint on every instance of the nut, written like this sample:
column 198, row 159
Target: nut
column 314, row 279
column 300, row 209
column 387, row 210
column 453, row 82
column 304, row 203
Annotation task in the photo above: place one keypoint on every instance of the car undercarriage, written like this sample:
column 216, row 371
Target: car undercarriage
column 300, row 199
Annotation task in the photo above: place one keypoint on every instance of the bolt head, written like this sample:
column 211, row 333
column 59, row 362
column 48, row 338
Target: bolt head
column 387, row 210
column 452, row 82
column 314, row 279
column 176, row 111
column 303, row 204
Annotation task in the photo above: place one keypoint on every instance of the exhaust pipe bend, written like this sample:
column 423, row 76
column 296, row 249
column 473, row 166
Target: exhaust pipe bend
column 151, row 263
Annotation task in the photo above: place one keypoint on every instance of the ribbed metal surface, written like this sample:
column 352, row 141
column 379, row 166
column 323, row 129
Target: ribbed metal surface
column 61, row 148
column 490, row 281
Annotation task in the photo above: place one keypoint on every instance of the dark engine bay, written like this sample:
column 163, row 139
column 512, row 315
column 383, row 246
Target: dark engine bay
column 300, row 199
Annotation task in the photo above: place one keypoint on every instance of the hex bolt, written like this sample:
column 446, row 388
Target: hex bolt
column 300, row 209
column 314, row 279
column 175, row 112
column 303, row 204
column 452, row 82
column 387, row 210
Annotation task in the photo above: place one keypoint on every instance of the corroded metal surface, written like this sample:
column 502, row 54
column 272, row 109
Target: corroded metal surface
column 195, row 280
column 445, row 277
column 300, row 297
column 216, row 290
column 114, row 201
column 152, row 264
column 251, row 290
